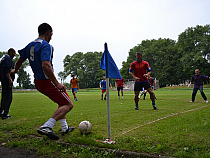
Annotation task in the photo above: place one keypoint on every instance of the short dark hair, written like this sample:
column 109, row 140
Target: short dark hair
column 43, row 28
column 11, row 50
column 139, row 53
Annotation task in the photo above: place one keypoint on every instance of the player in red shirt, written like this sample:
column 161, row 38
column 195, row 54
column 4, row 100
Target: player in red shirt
column 141, row 70
column 120, row 85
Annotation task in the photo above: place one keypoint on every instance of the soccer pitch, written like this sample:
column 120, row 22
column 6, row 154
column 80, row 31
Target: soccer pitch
column 178, row 128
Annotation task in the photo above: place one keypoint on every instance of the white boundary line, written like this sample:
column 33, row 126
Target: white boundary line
column 161, row 119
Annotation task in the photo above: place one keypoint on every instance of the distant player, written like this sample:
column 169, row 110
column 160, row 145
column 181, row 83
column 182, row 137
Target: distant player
column 119, row 83
column 75, row 86
column 198, row 84
column 140, row 70
column 102, row 86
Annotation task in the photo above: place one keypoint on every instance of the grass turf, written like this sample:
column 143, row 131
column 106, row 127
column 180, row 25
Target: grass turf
column 178, row 128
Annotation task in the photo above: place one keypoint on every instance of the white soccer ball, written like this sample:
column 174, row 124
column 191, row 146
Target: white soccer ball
column 85, row 127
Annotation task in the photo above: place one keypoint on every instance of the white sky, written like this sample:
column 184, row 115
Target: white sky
column 85, row 25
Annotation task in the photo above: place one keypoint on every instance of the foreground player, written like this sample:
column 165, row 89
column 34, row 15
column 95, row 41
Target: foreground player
column 141, row 72
column 119, row 83
column 40, row 53
column 75, row 86
column 198, row 85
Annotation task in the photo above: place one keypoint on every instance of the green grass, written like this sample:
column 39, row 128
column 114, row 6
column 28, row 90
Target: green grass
column 182, row 135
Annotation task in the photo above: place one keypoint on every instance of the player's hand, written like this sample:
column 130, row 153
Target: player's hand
column 13, row 71
column 61, row 87
column 145, row 75
column 137, row 79
column 10, row 82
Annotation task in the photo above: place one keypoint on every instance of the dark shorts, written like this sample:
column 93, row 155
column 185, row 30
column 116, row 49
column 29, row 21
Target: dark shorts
column 119, row 88
column 139, row 86
column 74, row 90
column 47, row 88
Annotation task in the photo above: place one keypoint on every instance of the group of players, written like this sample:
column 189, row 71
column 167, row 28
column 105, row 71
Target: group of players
column 40, row 55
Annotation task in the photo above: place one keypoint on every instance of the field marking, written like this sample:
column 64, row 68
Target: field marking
column 161, row 119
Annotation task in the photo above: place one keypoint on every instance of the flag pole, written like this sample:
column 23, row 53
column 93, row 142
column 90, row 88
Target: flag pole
column 107, row 92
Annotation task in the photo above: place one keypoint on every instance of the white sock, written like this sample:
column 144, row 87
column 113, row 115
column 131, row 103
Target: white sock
column 64, row 124
column 122, row 97
column 50, row 123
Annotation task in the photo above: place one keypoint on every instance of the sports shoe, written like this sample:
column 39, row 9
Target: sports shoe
column 76, row 99
column 206, row 101
column 101, row 98
column 154, row 107
column 48, row 132
column 6, row 117
column 104, row 98
column 191, row 101
column 70, row 129
column 136, row 108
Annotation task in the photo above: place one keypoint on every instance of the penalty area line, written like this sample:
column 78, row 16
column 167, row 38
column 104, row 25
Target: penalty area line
column 162, row 119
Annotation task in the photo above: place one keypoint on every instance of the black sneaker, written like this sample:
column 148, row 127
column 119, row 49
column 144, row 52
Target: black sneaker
column 6, row 117
column 70, row 129
column 154, row 107
column 104, row 98
column 101, row 98
column 48, row 132
column 136, row 108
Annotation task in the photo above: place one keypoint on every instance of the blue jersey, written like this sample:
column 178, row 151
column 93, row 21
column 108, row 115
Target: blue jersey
column 103, row 84
column 36, row 52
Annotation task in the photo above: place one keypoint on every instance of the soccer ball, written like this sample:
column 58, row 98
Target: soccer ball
column 85, row 127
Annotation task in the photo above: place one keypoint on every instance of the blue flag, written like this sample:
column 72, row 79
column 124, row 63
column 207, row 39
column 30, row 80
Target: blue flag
column 108, row 64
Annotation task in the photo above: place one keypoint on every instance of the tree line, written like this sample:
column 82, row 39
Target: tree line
column 172, row 62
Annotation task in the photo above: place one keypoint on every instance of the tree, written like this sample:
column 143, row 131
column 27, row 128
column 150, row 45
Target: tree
column 86, row 67
column 194, row 45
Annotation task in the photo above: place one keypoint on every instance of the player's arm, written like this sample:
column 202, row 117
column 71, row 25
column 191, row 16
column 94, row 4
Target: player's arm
column 18, row 64
column 148, row 72
column 100, row 85
column 70, row 85
column 131, row 73
column 10, row 79
column 47, row 68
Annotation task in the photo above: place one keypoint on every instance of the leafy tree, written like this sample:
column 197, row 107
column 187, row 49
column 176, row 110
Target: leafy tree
column 194, row 45
column 86, row 67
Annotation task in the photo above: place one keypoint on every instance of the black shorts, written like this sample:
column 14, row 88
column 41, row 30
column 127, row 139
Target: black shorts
column 119, row 88
column 139, row 86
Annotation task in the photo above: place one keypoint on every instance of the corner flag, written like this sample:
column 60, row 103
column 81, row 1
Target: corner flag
column 108, row 64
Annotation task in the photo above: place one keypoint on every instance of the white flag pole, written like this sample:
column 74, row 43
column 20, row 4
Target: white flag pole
column 108, row 109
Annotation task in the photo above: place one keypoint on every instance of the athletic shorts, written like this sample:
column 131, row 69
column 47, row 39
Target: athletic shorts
column 103, row 90
column 74, row 90
column 119, row 88
column 47, row 88
column 139, row 86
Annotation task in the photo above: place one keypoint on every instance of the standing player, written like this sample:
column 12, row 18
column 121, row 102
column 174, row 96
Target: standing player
column 198, row 84
column 40, row 54
column 75, row 86
column 141, row 70
column 7, row 82
column 119, row 83
column 102, row 86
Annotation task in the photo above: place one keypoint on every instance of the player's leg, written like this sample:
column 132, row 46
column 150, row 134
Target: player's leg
column 152, row 96
column 75, row 91
column 194, row 94
column 122, row 92
column 62, row 99
column 105, row 94
column 145, row 92
column 203, row 94
column 137, row 89
column 118, row 90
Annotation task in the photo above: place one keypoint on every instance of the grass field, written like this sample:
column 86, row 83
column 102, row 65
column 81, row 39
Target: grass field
column 178, row 128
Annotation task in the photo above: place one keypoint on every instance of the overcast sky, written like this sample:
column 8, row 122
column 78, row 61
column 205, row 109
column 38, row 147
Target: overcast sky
column 85, row 25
